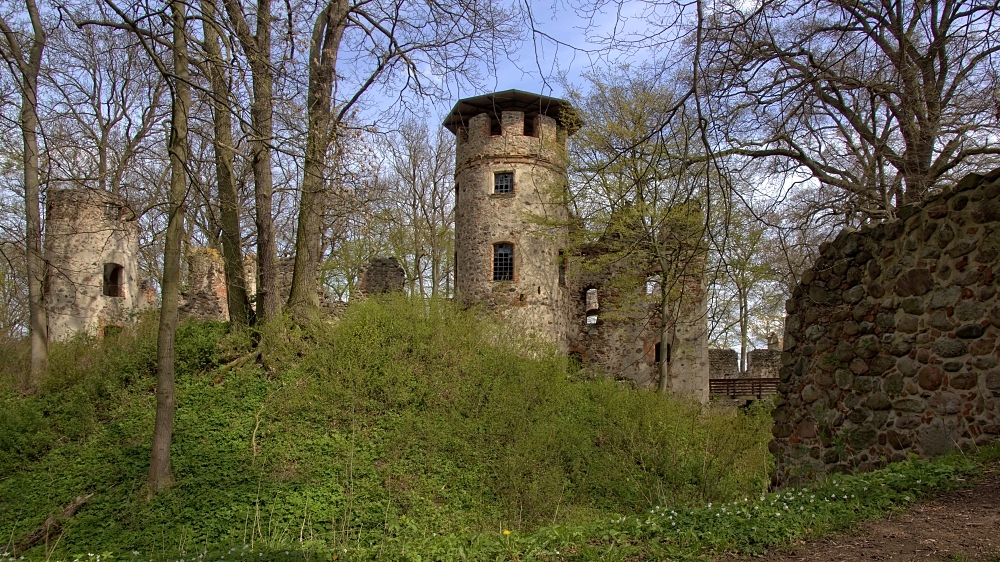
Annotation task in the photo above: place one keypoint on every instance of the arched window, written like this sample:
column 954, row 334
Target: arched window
column 591, row 305
column 114, row 280
column 503, row 262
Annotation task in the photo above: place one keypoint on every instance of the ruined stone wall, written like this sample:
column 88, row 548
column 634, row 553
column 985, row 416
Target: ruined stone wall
column 89, row 234
column 723, row 363
column 763, row 363
column 623, row 331
column 379, row 277
column 689, row 346
column 625, row 340
column 206, row 296
column 532, row 219
column 891, row 340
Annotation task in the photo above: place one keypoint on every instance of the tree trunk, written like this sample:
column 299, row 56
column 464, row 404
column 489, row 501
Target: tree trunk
column 744, row 321
column 262, row 117
column 28, row 81
column 229, row 218
column 327, row 33
column 159, row 464
column 37, row 320
column 258, row 51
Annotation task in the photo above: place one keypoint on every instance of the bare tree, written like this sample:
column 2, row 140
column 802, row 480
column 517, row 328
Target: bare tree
column 229, row 220
column 160, row 477
column 23, row 55
column 257, row 49
column 883, row 101
column 323, row 50
column 104, row 104
column 640, row 196
column 421, row 179
column 393, row 45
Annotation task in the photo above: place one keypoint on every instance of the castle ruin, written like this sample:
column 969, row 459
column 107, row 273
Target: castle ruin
column 513, row 252
column 91, row 249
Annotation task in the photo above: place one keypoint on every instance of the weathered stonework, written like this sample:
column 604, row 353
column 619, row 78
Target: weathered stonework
column 91, row 249
column 533, row 297
column 763, row 363
column 379, row 277
column 624, row 334
column 891, row 340
column 205, row 296
column 525, row 135
column 723, row 363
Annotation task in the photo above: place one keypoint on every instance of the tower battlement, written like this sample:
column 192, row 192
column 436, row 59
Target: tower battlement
column 512, row 124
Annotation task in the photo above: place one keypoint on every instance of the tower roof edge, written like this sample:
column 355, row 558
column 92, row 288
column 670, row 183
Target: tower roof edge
column 513, row 100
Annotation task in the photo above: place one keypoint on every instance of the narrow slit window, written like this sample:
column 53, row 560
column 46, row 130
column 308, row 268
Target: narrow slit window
column 114, row 280
column 503, row 262
column 592, row 306
column 503, row 182
column 591, row 301
column 562, row 268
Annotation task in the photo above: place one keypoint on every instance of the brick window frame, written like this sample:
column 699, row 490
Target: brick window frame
column 503, row 261
column 503, row 182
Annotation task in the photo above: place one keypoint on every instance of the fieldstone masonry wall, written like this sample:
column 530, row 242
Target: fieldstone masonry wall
column 205, row 297
column 763, row 363
column 723, row 363
column 484, row 218
column 380, row 276
column 891, row 340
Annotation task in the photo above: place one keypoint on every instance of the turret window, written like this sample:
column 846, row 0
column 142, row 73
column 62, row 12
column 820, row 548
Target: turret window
column 114, row 280
column 503, row 182
column 503, row 262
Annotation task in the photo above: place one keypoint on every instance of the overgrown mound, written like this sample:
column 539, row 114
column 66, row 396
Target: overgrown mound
column 402, row 421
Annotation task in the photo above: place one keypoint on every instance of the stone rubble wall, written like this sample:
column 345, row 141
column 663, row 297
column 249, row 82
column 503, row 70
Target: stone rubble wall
column 379, row 277
column 763, row 363
column 206, row 295
column 622, row 342
column 891, row 340
column 723, row 363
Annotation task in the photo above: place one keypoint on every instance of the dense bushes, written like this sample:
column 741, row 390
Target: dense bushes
column 403, row 420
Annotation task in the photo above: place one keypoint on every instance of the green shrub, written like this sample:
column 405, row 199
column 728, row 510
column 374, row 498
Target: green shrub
column 402, row 422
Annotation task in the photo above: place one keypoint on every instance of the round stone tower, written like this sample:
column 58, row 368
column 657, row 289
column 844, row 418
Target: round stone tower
column 510, row 206
column 91, row 250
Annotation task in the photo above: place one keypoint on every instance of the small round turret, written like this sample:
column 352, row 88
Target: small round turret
column 510, row 206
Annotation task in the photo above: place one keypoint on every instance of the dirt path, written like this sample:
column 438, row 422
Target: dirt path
column 958, row 526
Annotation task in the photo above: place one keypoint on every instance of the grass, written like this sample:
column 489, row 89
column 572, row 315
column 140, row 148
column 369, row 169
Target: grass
column 405, row 431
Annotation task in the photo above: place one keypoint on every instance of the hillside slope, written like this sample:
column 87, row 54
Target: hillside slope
column 401, row 422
